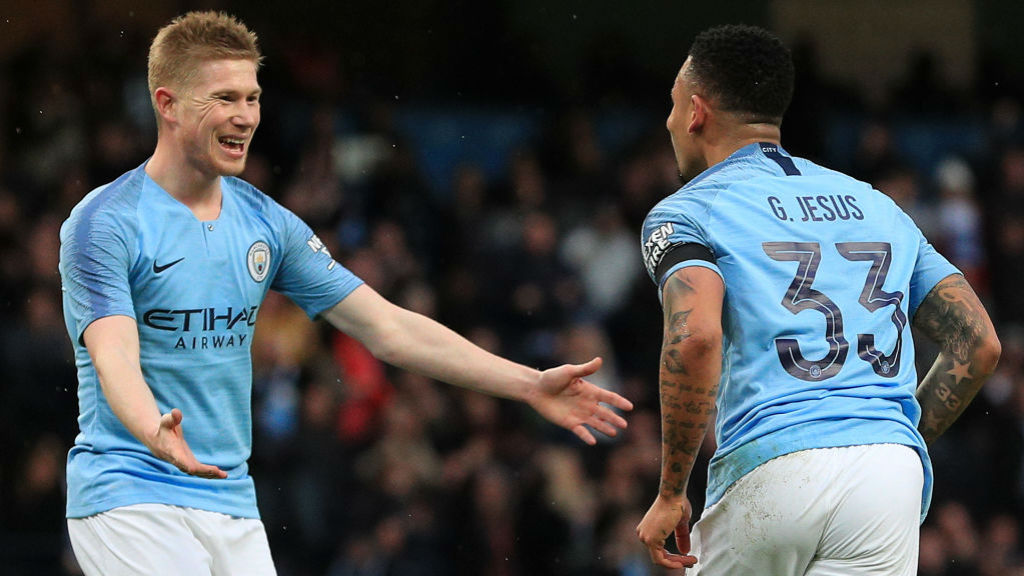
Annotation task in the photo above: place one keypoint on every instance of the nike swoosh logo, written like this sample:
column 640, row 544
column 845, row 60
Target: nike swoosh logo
column 158, row 269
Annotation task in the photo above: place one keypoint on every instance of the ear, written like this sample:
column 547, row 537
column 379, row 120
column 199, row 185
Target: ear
column 165, row 101
column 699, row 114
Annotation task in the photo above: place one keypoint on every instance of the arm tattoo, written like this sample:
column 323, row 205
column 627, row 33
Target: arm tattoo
column 677, row 328
column 689, row 380
column 953, row 316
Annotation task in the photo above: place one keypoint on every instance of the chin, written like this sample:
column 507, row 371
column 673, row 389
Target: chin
column 687, row 173
column 688, row 170
column 231, row 168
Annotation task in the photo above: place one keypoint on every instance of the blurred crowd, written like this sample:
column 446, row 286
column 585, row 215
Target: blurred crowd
column 364, row 470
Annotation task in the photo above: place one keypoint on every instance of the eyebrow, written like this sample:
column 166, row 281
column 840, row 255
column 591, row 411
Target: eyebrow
column 231, row 92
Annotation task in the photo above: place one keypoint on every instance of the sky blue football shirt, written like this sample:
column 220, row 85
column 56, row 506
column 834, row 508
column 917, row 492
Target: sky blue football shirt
column 195, row 290
column 822, row 276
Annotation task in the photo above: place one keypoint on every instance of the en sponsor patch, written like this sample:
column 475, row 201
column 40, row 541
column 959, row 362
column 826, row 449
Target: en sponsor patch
column 656, row 246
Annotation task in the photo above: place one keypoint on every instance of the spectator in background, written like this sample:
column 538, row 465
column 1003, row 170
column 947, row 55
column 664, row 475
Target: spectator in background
column 599, row 251
column 960, row 221
column 1007, row 215
column 901, row 182
column 876, row 154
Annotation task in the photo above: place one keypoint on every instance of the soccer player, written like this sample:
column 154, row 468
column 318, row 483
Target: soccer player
column 164, row 271
column 788, row 292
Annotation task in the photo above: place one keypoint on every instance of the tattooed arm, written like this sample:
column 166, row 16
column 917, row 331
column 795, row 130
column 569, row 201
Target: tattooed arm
column 691, row 362
column 952, row 316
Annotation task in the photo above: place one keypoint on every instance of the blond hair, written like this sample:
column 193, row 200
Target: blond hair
column 193, row 38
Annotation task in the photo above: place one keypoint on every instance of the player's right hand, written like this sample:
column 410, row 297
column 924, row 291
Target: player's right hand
column 662, row 519
column 168, row 443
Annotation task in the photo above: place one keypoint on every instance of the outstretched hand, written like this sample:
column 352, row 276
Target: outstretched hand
column 566, row 399
column 168, row 443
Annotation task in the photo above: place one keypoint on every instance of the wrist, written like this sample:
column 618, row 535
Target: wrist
column 530, row 390
column 147, row 430
column 672, row 492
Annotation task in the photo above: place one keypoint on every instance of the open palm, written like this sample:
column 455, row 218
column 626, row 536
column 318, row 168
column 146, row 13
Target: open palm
column 566, row 399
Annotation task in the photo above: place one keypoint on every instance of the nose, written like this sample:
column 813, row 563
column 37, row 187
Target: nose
column 248, row 116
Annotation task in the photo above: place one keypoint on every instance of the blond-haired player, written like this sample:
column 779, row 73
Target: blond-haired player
column 164, row 272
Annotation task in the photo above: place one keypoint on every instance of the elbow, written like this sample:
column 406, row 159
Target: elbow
column 707, row 342
column 389, row 340
column 699, row 343
column 987, row 354
column 384, row 345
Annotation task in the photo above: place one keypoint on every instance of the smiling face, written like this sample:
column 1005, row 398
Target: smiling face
column 217, row 114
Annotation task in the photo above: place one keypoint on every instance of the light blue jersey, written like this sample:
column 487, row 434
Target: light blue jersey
column 822, row 277
column 195, row 290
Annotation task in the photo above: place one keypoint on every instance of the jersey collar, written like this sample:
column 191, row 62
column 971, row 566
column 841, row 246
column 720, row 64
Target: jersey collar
column 748, row 150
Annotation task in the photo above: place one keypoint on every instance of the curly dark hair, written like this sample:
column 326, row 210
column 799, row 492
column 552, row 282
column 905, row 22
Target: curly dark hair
column 745, row 69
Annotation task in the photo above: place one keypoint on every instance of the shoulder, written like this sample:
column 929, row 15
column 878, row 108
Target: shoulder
column 692, row 203
column 249, row 196
column 112, row 207
column 811, row 168
column 864, row 190
column 283, row 226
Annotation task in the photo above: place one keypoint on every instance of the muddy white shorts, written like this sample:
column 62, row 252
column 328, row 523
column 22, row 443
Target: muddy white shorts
column 852, row 511
column 156, row 539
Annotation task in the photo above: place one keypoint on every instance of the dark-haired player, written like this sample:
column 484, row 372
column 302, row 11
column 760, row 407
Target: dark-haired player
column 788, row 292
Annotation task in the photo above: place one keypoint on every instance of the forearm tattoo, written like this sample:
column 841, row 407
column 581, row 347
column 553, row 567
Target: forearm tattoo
column 953, row 316
column 688, row 388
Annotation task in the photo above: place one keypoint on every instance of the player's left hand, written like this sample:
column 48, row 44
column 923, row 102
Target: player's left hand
column 663, row 518
column 566, row 399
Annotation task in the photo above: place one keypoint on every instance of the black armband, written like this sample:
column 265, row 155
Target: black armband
column 682, row 253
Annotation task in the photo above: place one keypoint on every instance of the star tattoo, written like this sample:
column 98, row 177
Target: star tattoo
column 960, row 371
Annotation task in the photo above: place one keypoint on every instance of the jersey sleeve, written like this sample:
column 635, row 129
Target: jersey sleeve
column 674, row 237
column 929, row 269
column 308, row 275
column 96, row 255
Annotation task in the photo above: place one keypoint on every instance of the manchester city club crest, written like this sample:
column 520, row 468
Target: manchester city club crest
column 258, row 260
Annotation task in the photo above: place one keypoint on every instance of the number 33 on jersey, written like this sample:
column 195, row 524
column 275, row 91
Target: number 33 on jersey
column 822, row 277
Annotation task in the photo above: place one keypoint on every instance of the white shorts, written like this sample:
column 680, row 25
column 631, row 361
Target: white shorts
column 834, row 511
column 157, row 539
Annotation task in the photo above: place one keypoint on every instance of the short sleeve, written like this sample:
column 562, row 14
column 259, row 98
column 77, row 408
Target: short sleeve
column 308, row 275
column 95, row 260
column 674, row 237
column 929, row 269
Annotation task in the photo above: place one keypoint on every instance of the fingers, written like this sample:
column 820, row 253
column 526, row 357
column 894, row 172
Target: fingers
column 609, row 397
column 611, row 417
column 602, row 426
column 584, row 434
column 584, row 370
column 683, row 537
column 604, row 421
column 176, row 451
column 664, row 558
column 686, row 560
column 172, row 419
column 207, row 471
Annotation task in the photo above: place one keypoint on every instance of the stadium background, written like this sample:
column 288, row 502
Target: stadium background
column 489, row 164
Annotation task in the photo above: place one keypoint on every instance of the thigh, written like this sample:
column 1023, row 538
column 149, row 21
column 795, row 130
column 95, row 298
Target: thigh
column 769, row 522
column 874, row 527
column 143, row 539
column 238, row 546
